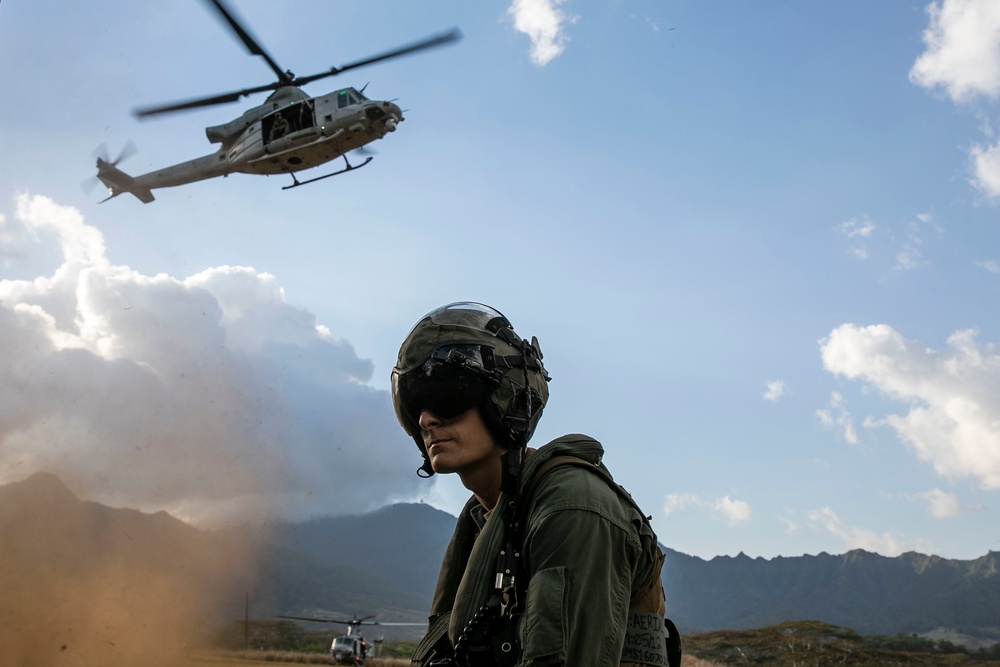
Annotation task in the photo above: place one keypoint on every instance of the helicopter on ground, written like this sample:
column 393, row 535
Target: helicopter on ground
column 288, row 133
column 352, row 648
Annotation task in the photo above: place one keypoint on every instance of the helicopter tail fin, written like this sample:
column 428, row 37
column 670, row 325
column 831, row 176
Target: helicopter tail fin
column 117, row 182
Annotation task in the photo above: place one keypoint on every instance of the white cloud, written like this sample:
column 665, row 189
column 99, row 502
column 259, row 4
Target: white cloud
column 775, row 390
column 990, row 265
column 909, row 257
column 544, row 23
column 733, row 511
column 835, row 415
column 675, row 502
column 857, row 538
column 986, row 169
column 953, row 421
column 962, row 49
column 858, row 252
column 962, row 56
column 210, row 397
column 943, row 505
column 791, row 527
column 857, row 229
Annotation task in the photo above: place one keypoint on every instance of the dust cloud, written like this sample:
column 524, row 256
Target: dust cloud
column 87, row 585
column 204, row 401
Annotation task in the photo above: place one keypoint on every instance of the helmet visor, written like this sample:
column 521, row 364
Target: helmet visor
column 452, row 380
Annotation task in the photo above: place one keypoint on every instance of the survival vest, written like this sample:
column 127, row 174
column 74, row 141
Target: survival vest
column 651, row 640
column 650, row 637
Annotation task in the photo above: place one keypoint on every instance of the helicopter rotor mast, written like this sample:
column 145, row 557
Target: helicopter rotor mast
column 286, row 77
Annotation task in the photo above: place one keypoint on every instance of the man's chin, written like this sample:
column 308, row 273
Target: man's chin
column 441, row 468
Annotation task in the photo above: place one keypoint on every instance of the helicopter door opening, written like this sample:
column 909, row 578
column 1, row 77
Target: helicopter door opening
column 289, row 120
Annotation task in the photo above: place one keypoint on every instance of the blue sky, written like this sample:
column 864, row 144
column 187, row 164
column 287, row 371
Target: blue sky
column 757, row 243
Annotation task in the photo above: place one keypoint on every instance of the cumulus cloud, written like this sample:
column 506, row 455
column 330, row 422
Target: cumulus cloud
column 835, row 415
column 962, row 49
column 953, row 397
column 731, row 510
column 962, row 57
column 775, row 390
column 854, row 537
column 943, row 505
column 986, row 169
column 210, row 396
column 544, row 23
column 735, row 511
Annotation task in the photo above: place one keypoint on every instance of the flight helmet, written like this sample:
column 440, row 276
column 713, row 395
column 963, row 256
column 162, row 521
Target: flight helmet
column 466, row 355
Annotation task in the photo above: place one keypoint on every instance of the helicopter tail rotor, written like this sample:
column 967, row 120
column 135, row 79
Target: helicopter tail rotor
column 127, row 151
column 116, row 180
column 104, row 160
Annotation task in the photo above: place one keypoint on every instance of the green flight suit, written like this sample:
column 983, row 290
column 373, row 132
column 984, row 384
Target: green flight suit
column 586, row 550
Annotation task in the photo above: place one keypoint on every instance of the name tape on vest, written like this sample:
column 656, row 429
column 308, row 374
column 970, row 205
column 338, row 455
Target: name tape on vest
column 645, row 640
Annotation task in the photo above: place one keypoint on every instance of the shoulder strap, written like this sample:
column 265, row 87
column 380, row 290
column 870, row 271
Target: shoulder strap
column 673, row 647
column 569, row 459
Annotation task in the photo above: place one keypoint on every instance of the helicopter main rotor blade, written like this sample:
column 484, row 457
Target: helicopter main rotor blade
column 452, row 35
column 145, row 112
column 316, row 620
column 252, row 45
column 356, row 621
column 286, row 78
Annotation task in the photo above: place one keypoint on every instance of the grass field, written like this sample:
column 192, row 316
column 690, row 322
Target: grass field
column 276, row 658
column 793, row 644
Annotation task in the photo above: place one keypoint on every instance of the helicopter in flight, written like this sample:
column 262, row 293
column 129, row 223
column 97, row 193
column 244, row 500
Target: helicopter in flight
column 352, row 648
column 288, row 133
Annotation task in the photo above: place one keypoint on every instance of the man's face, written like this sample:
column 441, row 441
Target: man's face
column 459, row 444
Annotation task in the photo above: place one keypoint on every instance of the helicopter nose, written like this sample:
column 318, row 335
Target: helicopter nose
column 395, row 117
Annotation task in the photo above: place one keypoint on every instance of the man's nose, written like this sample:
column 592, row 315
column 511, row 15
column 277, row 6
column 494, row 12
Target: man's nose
column 428, row 420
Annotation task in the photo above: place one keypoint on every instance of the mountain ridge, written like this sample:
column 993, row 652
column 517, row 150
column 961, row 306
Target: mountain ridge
column 386, row 562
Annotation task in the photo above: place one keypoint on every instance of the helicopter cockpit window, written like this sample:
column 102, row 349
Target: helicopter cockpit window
column 346, row 98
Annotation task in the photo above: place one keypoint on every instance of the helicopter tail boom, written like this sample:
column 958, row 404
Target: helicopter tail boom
column 117, row 182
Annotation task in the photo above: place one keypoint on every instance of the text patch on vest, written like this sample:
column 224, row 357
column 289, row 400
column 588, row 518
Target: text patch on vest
column 645, row 641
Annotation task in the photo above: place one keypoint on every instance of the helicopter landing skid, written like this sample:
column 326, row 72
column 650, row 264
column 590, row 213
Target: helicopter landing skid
column 349, row 167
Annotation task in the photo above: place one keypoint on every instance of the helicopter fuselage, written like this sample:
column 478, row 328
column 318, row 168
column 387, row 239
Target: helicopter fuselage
column 290, row 132
column 349, row 650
